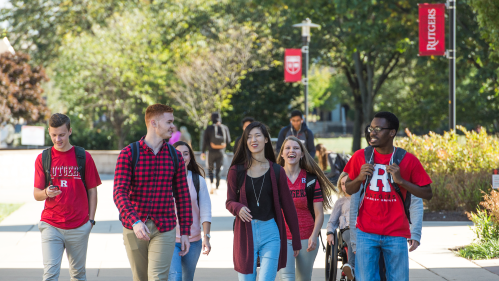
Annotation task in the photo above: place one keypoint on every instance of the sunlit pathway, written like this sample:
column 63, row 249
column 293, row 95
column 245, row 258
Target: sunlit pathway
column 21, row 257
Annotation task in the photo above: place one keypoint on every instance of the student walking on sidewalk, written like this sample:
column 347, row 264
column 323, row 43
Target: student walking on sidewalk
column 66, row 179
column 297, row 128
column 183, row 268
column 258, row 196
column 311, row 192
column 149, row 175
column 386, row 177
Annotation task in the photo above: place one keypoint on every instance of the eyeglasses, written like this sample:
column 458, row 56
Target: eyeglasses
column 376, row 129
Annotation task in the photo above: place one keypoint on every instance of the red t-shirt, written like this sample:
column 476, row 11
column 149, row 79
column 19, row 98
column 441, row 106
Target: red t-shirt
column 305, row 219
column 382, row 211
column 68, row 210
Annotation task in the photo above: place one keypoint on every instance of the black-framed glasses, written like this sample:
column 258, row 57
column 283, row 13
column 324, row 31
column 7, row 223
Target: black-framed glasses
column 376, row 129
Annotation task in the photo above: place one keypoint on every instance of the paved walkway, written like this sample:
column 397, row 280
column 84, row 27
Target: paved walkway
column 21, row 257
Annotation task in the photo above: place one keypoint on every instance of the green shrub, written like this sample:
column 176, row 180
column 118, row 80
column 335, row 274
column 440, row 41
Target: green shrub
column 485, row 228
column 482, row 250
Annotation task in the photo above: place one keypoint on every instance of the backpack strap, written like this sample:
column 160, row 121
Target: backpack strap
column 398, row 156
column 369, row 157
column 173, row 154
column 47, row 162
column 311, row 181
column 195, row 180
column 81, row 161
column 240, row 178
column 135, row 147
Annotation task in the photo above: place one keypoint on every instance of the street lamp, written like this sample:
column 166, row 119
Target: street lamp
column 305, row 33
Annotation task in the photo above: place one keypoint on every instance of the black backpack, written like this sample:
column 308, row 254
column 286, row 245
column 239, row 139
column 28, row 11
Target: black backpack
column 81, row 159
column 398, row 156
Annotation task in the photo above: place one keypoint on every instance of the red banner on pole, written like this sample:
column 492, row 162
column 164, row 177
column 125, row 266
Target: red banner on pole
column 292, row 65
column 431, row 29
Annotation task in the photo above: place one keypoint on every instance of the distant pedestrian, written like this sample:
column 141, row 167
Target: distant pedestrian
column 215, row 141
column 149, row 181
column 384, row 178
column 185, row 136
column 244, row 123
column 183, row 268
column 258, row 196
column 66, row 179
column 311, row 191
column 297, row 128
column 176, row 135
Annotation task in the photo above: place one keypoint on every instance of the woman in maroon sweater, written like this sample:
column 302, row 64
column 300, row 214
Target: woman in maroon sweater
column 259, row 200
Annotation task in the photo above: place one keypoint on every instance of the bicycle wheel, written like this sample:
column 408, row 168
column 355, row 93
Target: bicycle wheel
column 332, row 260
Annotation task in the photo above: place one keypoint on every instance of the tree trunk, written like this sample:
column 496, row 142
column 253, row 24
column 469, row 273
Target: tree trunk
column 357, row 126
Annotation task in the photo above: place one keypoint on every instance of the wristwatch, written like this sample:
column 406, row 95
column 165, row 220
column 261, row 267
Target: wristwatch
column 208, row 235
column 92, row 222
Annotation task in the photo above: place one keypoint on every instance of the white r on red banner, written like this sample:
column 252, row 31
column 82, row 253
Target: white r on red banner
column 292, row 65
column 431, row 29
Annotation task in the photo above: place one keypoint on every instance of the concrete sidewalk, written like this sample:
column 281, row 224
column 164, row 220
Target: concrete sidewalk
column 21, row 257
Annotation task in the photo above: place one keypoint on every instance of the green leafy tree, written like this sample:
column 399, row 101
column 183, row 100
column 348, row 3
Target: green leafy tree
column 112, row 75
column 20, row 89
column 41, row 26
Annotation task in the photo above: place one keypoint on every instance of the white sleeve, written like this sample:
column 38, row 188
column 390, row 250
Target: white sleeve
column 204, row 201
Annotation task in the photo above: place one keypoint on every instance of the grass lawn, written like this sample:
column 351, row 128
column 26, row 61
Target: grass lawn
column 339, row 144
column 7, row 209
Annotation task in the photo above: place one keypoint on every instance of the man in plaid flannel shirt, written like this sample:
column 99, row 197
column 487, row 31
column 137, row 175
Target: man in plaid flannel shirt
column 145, row 199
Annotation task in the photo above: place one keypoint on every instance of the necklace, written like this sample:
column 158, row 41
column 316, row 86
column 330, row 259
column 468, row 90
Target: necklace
column 254, row 191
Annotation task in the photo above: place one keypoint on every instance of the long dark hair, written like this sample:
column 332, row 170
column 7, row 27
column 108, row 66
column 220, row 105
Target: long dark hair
column 308, row 164
column 322, row 156
column 243, row 156
column 193, row 165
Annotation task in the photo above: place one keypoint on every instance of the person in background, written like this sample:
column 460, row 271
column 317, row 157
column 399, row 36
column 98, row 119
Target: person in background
column 176, row 135
column 340, row 217
column 297, row 128
column 185, row 136
column 311, row 191
column 258, row 196
column 215, row 141
column 183, row 267
column 70, row 196
column 244, row 123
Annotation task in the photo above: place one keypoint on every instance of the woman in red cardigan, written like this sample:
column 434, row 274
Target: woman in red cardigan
column 259, row 200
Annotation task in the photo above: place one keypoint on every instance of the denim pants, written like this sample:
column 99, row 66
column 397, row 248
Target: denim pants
column 301, row 267
column 395, row 253
column 267, row 245
column 183, row 268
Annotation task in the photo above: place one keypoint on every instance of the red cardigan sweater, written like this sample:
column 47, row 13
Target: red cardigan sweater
column 243, row 235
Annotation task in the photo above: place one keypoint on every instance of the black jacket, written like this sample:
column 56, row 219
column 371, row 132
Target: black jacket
column 305, row 134
column 210, row 136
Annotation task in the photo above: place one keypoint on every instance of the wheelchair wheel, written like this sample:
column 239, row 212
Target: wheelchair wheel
column 332, row 260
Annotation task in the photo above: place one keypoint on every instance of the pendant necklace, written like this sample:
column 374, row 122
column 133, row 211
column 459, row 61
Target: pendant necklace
column 259, row 195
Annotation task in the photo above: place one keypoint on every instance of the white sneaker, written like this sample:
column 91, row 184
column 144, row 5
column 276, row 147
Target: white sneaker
column 348, row 270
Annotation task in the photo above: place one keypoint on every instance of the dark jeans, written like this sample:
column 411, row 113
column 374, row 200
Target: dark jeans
column 215, row 158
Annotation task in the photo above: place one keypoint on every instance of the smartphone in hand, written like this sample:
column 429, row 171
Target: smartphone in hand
column 53, row 187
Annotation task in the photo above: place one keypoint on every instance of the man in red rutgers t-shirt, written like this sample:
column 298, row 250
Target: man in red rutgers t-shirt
column 69, row 213
column 382, row 225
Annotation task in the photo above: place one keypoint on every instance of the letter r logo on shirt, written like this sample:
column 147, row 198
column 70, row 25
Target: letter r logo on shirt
column 380, row 179
column 64, row 183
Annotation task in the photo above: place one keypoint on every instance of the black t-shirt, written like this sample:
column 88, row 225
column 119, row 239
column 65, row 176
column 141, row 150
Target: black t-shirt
column 263, row 211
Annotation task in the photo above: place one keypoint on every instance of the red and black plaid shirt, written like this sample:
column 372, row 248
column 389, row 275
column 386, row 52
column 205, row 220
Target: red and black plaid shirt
column 149, row 195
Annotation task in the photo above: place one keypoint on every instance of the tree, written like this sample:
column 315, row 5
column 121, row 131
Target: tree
column 213, row 75
column 111, row 76
column 488, row 20
column 40, row 27
column 20, row 89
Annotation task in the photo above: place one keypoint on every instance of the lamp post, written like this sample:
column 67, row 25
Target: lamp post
column 305, row 33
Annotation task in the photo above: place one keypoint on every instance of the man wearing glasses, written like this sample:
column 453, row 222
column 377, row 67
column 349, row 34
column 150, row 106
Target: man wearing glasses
column 382, row 223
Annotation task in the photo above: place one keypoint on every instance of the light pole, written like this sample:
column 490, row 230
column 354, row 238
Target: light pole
column 305, row 33
column 451, row 5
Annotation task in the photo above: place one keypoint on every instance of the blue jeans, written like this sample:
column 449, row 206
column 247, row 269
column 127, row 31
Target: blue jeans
column 395, row 253
column 183, row 268
column 267, row 245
